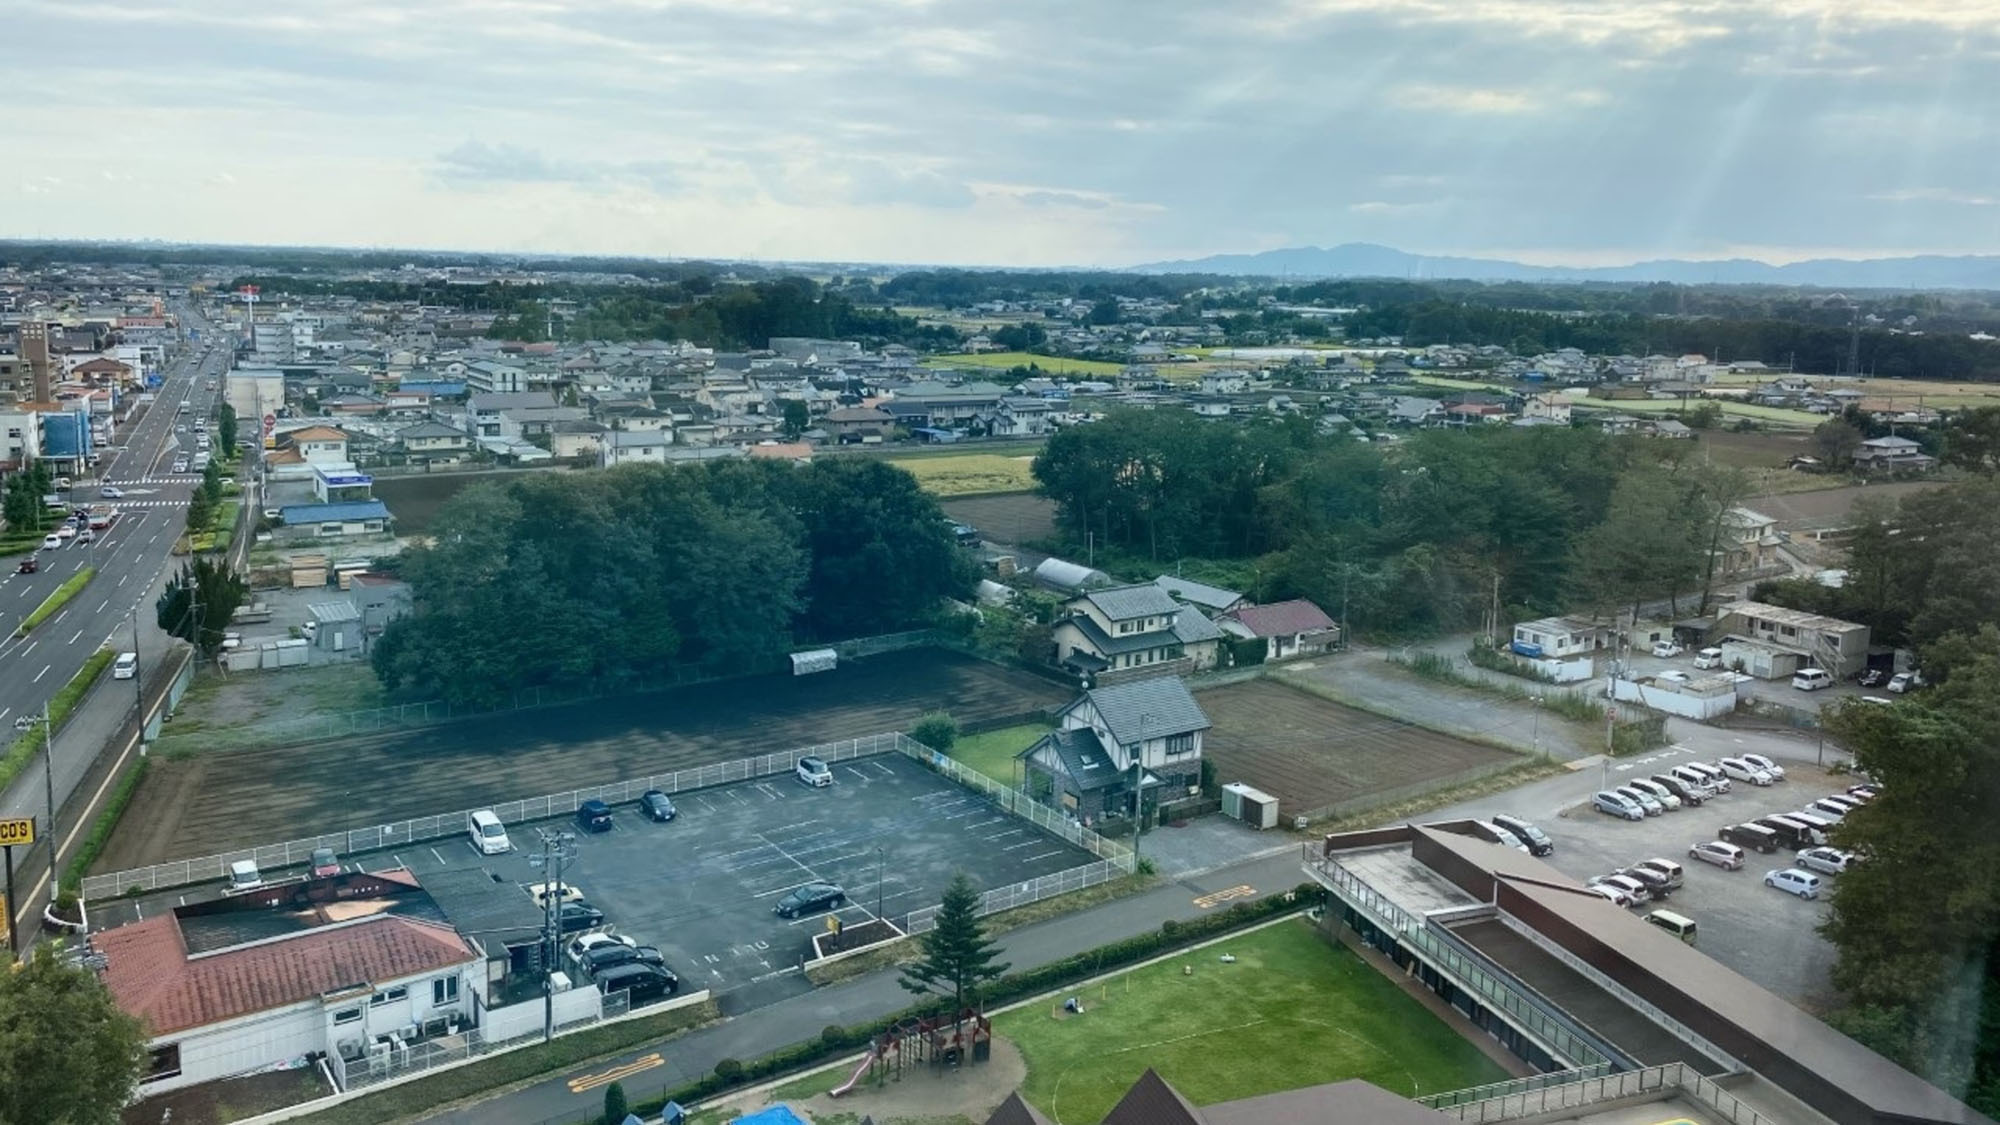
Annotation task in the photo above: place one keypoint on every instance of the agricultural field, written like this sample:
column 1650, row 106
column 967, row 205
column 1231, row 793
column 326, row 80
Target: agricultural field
column 1310, row 752
column 1001, row 361
column 1292, row 1010
column 1014, row 517
column 1776, row 415
column 970, row 474
column 1940, row 394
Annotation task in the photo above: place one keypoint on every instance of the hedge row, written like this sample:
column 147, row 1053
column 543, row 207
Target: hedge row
column 70, row 587
column 106, row 823
column 835, row 1040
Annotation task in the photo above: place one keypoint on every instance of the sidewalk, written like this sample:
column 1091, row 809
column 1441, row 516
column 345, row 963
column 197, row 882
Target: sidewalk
column 800, row 1015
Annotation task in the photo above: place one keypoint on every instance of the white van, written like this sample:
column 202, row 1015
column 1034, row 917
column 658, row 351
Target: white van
column 1679, row 925
column 126, row 666
column 1708, row 658
column 243, row 876
column 1811, row 679
column 489, row 836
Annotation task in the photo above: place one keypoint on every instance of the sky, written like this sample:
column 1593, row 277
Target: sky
column 1024, row 133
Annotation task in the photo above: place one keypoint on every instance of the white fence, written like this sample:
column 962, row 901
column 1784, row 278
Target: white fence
column 273, row 856
column 1654, row 1082
column 1020, row 804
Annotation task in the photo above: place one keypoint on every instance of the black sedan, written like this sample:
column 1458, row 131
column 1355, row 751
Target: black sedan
column 576, row 916
column 656, row 806
column 811, row 898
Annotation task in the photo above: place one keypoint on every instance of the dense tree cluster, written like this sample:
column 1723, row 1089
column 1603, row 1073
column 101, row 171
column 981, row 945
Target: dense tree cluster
column 21, row 496
column 557, row 578
column 1412, row 536
column 1916, row 921
column 71, row 1056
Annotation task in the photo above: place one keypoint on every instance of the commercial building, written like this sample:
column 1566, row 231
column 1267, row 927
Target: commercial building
column 1801, row 639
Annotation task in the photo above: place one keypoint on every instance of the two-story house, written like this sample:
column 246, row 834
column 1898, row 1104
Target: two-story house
column 434, row 442
column 1125, row 632
column 1141, row 737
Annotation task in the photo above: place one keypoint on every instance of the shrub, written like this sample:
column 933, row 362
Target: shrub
column 937, row 730
column 1579, row 707
column 616, row 1107
column 729, row 1071
column 1486, row 656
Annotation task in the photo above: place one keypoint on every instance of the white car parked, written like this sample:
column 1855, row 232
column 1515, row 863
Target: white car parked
column 1792, row 881
column 1776, row 771
column 1741, row 770
column 1667, row 650
column 1828, row 861
column 1666, row 797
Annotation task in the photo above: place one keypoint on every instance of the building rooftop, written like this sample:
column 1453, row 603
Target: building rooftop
column 1280, row 619
column 1779, row 615
column 1142, row 709
column 1124, row 603
column 334, row 513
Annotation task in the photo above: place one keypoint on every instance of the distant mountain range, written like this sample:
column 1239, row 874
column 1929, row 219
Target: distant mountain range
column 1362, row 259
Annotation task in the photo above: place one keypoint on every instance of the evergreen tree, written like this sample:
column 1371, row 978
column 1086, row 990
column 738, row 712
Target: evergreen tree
column 957, row 955
column 72, row 1057
column 616, row 1107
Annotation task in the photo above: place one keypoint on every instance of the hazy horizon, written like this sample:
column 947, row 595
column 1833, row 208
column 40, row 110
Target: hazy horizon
column 1559, row 133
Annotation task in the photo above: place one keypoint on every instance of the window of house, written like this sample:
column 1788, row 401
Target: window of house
column 1178, row 744
column 346, row 1015
column 162, row 1062
column 389, row 996
column 444, row 990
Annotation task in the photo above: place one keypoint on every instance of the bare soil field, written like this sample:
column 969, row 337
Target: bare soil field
column 1310, row 752
column 1828, row 507
column 205, row 803
column 1012, row 517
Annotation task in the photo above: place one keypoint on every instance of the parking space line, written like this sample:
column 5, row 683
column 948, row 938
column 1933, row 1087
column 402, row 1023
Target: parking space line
column 802, row 867
column 857, row 773
column 440, row 856
column 734, row 795
column 1022, row 844
column 886, row 771
column 1043, row 855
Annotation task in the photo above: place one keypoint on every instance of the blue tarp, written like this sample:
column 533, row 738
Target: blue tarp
column 776, row 1115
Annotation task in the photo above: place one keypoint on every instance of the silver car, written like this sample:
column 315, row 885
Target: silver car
column 1642, row 799
column 1658, row 792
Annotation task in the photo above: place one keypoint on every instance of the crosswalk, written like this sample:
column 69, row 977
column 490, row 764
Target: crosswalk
column 173, row 478
column 128, row 504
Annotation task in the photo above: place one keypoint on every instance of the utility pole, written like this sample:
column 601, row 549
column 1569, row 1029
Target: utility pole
column 878, row 882
column 558, row 848
column 49, row 782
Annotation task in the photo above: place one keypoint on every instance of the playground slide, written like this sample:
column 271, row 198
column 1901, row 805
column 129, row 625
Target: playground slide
column 867, row 1061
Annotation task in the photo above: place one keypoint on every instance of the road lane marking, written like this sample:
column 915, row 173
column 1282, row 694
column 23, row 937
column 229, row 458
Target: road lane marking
column 586, row 1082
column 43, row 672
column 79, row 633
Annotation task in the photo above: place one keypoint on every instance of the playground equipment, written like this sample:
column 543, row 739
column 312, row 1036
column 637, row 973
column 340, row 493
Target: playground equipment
column 941, row 1041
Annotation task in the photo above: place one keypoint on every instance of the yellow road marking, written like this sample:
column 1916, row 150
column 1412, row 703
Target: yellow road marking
column 1219, row 897
column 643, row 1063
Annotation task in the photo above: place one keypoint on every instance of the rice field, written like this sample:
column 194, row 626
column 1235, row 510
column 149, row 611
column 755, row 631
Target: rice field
column 970, row 474
column 1001, row 361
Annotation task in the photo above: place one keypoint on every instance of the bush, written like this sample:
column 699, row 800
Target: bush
column 616, row 1107
column 937, row 730
column 105, row 824
column 1246, row 651
column 1579, row 707
column 729, row 1071
column 1636, row 736
column 1486, row 656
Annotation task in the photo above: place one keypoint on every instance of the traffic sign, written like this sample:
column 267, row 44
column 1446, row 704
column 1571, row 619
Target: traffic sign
column 17, row 830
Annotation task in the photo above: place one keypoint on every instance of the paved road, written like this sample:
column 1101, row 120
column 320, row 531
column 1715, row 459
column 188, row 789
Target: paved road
column 131, row 559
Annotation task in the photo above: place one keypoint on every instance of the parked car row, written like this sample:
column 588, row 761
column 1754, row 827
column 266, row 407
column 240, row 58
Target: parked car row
column 1686, row 785
column 618, row 963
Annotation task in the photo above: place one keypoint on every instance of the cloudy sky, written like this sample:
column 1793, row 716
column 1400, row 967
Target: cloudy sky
column 1029, row 132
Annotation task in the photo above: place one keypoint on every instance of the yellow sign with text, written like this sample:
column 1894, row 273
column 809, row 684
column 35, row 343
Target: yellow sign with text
column 17, row 831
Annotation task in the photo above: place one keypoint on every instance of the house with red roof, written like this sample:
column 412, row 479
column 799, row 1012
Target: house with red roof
column 1288, row 629
column 225, row 993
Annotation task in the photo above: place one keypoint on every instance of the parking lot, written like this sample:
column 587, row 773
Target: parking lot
column 1762, row 933
column 887, row 831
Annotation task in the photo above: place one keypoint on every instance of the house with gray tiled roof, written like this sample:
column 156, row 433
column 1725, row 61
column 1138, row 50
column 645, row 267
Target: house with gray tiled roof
column 1144, row 736
column 1126, row 632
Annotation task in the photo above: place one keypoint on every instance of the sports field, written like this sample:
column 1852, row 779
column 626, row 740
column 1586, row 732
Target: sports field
column 1291, row 1011
column 1001, row 361
column 970, row 474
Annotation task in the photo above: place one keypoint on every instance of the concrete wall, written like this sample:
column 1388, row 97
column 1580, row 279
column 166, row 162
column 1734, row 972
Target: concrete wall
column 525, row 1018
column 1666, row 696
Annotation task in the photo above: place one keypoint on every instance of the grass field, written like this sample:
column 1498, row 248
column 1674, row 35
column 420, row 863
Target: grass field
column 970, row 474
column 992, row 753
column 1003, row 360
column 1291, row 1011
column 1939, row 393
column 1455, row 384
column 1776, row 414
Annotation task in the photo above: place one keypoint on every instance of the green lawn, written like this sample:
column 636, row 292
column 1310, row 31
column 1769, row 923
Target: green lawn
column 993, row 753
column 1292, row 1011
column 1004, row 360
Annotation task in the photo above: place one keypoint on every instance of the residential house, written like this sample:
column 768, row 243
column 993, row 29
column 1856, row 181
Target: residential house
column 943, row 406
column 1142, row 737
column 345, row 519
column 1408, row 410
column 1474, row 414
column 634, row 447
column 491, row 377
column 1126, row 632
column 1020, row 416
column 434, row 443
column 1288, row 629
column 217, row 1000
column 582, row 439
column 497, row 414
column 1839, row 647
column 312, row 445
column 1557, row 638
column 1751, row 542
column 1892, row 454
column 1554, row 407
column 851, row 425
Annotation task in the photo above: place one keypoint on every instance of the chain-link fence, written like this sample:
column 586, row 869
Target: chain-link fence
column 181, row 873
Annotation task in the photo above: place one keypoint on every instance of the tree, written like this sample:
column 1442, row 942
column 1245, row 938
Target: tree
column 68, row 1055
column 1837, row 440
column 199, row 602
column 797, row 419
column 225, row 426
column 1105, row 312
column 211, row 482
column 937, row 730
column 616, row 1107
column 955, row 956
column 201, row 512
column 1915, row 965
column 1972, row 440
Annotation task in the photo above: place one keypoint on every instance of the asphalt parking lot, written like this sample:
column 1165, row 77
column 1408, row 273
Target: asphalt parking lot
column 1760, row 932
column 701, row 887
